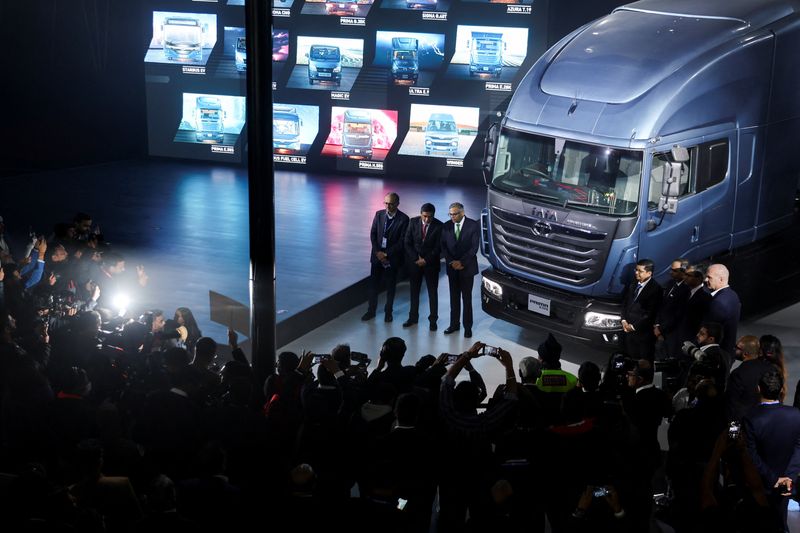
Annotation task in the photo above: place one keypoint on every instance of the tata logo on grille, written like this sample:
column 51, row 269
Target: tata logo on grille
column 545, row 214
column 542, row 229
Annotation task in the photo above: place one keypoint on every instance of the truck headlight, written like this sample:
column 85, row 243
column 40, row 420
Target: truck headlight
column 602, row 321
column 493, row 288
column 337, row 69
column 453, row 143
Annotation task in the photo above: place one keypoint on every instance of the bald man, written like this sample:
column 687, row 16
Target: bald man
column 725, row 307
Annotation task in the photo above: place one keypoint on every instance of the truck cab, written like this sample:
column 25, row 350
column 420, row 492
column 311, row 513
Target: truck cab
column 241, row 54
column 324, row 64
column 658, row 131
column 486, row 53
column 405, row 60
column 209, row 120
column 357, row 134
column 441, row 134
column 183, row 39
column 421, row 4
column 286, row 126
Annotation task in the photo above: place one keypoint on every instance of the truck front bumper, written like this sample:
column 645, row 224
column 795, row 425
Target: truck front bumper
column 529, row 304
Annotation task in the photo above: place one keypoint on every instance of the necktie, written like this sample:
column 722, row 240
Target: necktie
column 424, row 231
column 638, row 290
column 458, row 230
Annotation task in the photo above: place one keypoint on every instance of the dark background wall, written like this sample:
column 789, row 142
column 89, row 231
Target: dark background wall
column 73, row 78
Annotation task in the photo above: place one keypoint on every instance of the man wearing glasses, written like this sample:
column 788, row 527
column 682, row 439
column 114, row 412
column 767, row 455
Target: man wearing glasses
column 387, row 236
column 460, row 240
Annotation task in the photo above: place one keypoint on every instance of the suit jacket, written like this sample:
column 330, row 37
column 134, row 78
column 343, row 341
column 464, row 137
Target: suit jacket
column 395, row 234
column 693, row 313
column 641, row 312
column 465, row 249
column 430, row 249
column 725, row 308
column 742, row 393
column 772, row 433
column 670, row 312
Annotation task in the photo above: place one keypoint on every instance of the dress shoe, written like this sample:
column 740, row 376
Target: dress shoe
column 367, row 316
column 387, row 317
column 408, row 323
column 451, row 329
column 467, row 333
column 433, row 327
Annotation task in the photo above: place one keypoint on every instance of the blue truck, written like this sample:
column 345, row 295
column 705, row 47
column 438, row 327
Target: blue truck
column 486, row 53
column 665, row 129
column 357, row 134
column 286, row 126
column 209, row 120
column 324, row 64
column 441, row 134
column 341, row 7
column 405, row 59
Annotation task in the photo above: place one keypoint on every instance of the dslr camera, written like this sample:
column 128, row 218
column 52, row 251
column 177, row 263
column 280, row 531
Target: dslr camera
column 360, row 359
column 691, row 350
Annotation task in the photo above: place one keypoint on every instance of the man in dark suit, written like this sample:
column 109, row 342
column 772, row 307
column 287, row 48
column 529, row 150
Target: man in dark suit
column 460, row 241
column 772, row 434
column 710, row 353
column 670, row 313
column 742, row 391
column 639, row 310
column 423, row 244
column 387, row 236
column 725, row 306
column 695, row 308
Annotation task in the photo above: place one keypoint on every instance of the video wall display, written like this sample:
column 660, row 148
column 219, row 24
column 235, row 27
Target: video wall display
column 408, row 57
column 396, row 86
column 326, row 63
column 440, row 131
column 342, row 8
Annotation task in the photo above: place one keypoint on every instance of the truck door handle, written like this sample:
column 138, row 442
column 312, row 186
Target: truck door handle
column 696, row 234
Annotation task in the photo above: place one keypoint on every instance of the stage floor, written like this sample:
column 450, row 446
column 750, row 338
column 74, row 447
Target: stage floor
column 187, row 223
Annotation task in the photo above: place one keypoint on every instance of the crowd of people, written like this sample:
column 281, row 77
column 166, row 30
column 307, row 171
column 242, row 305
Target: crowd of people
column 109, row 425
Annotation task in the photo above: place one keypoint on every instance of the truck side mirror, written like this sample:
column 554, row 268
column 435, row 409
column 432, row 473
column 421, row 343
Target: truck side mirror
column 670, row 187
column 489, row 148
column 680, row 154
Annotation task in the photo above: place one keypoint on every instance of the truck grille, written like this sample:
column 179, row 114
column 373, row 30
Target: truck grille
column 549, row 249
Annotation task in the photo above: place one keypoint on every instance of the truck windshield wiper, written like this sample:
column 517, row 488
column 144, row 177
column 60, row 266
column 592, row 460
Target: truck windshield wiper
column 531, row 194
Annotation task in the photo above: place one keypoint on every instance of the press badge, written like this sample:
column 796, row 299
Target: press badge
column 383, row 243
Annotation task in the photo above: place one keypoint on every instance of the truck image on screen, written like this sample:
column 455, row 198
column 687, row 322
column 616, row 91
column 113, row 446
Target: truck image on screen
column 324, row 64
column 665, row 129
column 405, row 62
column 209, row 120
column 241, row 54
column 341, row 7
column 357, row 134
column 441, row 134
column 286, row 129
column 486, row 53
column 421, row 4
column 183, row 39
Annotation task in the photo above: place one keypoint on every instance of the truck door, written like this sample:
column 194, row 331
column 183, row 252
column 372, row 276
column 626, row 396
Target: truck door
column 715, row 183
column 667, row 236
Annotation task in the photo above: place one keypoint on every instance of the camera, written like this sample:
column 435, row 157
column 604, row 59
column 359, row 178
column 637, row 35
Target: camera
column 492, row 351
column 361, row 359
column 600, row 492
column 319, row 357
column 691, row 350
column 452, row 358
column 733, row 430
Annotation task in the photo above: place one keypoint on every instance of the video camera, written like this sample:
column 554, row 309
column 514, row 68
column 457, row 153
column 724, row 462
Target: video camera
column 360, row 359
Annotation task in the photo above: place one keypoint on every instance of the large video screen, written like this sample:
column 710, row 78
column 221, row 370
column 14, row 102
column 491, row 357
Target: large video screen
column 182, row 38
column 398, row 86
column 440, row 131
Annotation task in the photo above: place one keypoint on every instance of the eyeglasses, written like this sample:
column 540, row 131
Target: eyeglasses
column 455, row 214
column 389, row 203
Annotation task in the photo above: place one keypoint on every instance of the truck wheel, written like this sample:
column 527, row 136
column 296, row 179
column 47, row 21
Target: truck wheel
column 427, row 152
column 310, row 81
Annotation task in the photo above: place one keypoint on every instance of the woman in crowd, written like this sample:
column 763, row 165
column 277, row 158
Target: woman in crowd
column 190, row 332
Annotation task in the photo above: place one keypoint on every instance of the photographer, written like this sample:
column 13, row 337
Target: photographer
column 467, row 438
column 390, row 367
column 709, row 352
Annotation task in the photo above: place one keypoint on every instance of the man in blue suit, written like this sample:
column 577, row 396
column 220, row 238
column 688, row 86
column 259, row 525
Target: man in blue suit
column 772, row 434
column 388, row 236
column 460, row 241
column 724, row 307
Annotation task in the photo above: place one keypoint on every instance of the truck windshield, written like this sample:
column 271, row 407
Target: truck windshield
column 594, row 178
column 405, row 55
column 441, row 125
column 285, row 127
column 329, row 54
column 182, row 34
